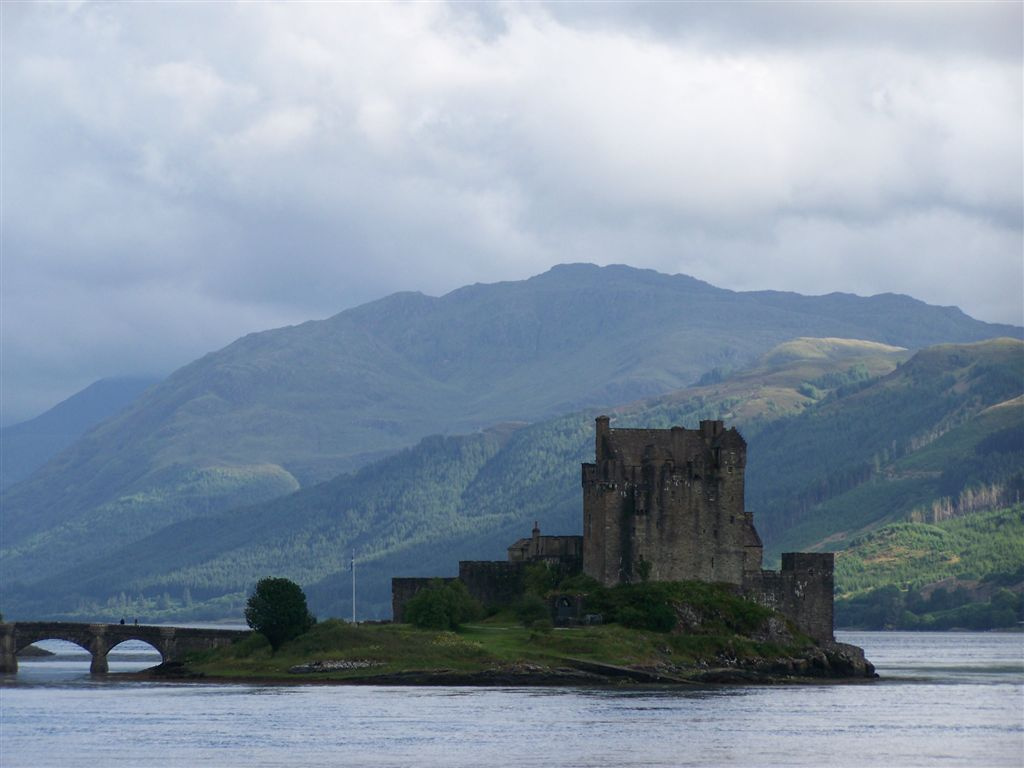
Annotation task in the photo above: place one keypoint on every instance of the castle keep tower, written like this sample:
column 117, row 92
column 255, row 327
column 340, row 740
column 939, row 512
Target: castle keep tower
column 667, row 505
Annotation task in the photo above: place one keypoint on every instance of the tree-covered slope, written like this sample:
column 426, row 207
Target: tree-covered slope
column 420, row 511
column 963, row 572
column 914, row 555
column 971, row 468
column 875, row 451
column 284, row 409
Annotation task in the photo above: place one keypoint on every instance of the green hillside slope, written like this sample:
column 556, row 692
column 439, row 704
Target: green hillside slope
column 420, row 511
column 964, row 572
column 27, row 446
column 871, row 453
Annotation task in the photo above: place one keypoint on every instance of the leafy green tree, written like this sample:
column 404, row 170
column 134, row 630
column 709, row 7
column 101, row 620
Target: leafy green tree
column 277, row 610
column 442, row 606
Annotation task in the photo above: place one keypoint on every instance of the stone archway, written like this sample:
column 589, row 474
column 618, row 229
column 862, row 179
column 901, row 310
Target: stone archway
column 171, row 643
column 134, row 652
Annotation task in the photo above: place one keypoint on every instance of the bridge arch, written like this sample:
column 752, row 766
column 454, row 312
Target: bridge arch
column 20, row 645
column 172, row 643
column 142, row 651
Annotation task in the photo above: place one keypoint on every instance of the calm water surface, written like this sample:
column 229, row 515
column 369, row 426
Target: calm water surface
column 946, row 699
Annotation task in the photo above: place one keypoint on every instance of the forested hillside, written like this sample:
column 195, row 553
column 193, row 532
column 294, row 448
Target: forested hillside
column 965, row 572
column 420, row 511
column 282, row 410
column 872, row 452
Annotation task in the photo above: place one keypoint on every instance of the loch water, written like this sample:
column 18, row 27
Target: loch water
column 943, row 699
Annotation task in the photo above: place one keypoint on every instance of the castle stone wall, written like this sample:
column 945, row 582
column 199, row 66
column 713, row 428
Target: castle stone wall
column 802, row 591
column 493, row 582
column 564, row 550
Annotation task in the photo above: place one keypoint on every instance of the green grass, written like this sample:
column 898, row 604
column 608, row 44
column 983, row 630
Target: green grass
column 493, row 644
column 719, row 624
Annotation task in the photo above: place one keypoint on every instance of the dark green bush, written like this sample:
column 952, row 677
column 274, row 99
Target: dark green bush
column 442, row 606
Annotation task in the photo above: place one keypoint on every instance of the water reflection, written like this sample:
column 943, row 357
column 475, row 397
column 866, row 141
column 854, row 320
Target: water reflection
column 69, row 663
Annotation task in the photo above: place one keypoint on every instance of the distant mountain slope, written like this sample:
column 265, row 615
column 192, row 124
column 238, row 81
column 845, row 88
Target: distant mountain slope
column 26, row 446
column 420, row 511
column 287, row 408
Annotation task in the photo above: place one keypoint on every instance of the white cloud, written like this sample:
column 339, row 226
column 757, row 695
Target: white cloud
column 272, row 162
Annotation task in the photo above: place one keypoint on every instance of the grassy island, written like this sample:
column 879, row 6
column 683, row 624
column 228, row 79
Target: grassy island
column 679, row 633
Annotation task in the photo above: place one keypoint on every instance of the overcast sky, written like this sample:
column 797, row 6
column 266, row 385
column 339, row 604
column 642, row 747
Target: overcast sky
column 176, row 175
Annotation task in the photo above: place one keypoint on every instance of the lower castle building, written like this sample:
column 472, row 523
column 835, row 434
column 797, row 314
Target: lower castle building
column 662, row 505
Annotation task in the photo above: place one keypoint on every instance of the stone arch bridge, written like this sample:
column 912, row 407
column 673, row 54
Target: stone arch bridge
column 173, row 643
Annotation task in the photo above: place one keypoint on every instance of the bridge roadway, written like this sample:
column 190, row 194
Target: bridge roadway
column 173, row 643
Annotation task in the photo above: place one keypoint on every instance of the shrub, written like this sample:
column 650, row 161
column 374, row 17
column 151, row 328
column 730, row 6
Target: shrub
column 581, row 584
column 442, row 606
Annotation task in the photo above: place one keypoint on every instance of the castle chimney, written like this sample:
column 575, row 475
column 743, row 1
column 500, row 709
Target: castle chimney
column 711, row 428
column 600, row 438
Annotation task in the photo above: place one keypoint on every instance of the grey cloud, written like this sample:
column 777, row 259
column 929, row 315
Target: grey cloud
column 979, row 28
column 177, row 175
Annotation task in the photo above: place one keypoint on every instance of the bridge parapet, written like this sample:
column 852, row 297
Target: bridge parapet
column 173, row 643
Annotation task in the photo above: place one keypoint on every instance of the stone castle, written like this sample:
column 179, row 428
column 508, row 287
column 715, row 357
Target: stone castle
column 662, row 505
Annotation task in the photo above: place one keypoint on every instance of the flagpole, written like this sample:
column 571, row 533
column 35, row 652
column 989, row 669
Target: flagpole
column 353, row 586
